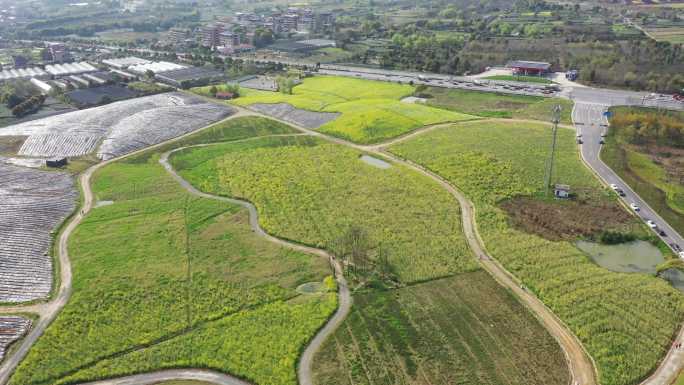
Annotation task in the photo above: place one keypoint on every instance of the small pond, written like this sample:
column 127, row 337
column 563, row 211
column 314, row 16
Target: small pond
column 379, row 163
column 632, row 257
column 675, row 277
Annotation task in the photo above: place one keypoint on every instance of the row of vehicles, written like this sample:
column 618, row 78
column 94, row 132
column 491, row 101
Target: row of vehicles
column 650, row 223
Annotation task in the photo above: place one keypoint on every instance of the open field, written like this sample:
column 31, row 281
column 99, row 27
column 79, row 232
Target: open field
column 654, row 169
column 313, row 191
column 626, row 321
column 371, row 111
column 460, row 330
column 121, row 127
column 32, row 205
column 515, row 78
column 162, row 277
column 499, row 106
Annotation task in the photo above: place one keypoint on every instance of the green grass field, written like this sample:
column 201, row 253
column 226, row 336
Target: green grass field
column 313, row 191
column 515, row 78
column 626, row 321
column 163, row 279
column 493, row 105
column 371, row 110
column 460, row 330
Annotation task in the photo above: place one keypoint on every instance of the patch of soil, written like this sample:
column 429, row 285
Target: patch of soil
column 10, row 145
column 566, row 220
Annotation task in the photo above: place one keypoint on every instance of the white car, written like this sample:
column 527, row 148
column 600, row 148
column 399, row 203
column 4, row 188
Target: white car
column 634, row 206
column 681, row 254
column 614, row 186
column 651, row 224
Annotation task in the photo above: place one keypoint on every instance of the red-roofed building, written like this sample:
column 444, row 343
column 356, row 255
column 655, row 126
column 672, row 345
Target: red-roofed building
column 521, row 67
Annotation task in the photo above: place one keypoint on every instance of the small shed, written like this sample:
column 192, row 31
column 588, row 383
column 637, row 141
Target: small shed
column 225, row 95
column 561, row 191
column 57, row 162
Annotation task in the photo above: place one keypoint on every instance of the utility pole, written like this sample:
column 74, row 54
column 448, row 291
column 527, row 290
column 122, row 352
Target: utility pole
column 549, row 165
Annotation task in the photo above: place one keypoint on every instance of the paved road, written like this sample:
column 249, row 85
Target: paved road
column 590, row 122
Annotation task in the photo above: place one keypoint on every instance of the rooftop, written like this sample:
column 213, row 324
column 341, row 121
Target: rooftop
column 191, row 73
column 529, row 64
column 125, row 62
column 156, row 67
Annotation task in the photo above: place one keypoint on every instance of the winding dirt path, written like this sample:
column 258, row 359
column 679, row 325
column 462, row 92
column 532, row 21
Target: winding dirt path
column 581, row 366
column 304, row 372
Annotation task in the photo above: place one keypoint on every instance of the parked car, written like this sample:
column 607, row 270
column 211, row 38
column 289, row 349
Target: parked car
column 634, row 206
column 675, row 247
column 651, row 224
column 662, row 233
column 614, row 186
column 681, row 254
column 620, row 192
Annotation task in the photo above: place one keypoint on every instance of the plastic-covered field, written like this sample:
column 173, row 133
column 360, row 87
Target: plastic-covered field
column 298, row 116
column 121, row 127
column 11, row 329
column 32, row 204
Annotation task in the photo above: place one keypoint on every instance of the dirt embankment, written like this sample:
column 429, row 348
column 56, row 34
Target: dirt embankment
column 566, row 220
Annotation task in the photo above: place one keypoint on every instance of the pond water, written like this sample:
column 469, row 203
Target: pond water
column 311, row 288
column 632, row 257
column 379, row 163
column 675, row 277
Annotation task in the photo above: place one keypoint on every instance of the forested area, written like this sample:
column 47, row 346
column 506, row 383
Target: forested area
column 647, row 126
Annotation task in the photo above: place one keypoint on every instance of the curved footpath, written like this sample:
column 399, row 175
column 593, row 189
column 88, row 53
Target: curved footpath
column 49, row 311
column 304, row 368
column 581, row 367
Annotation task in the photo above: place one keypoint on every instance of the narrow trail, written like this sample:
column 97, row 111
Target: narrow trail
column 48, row 311
column 304, row 372
column 581, row 365
column 173, row 374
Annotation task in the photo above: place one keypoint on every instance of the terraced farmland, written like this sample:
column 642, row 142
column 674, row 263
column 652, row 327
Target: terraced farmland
column 313, row 191
column 122, row 127
column 626, row 321
column 32, row 204
column 460, row 330
column 12, row 328
column 370, row 111
column 163, row 279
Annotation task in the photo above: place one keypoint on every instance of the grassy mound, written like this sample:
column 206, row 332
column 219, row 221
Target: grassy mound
column 371, row 110
column 626, row 321
column 460, row 330
column 162, row 277
column 313, row 191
